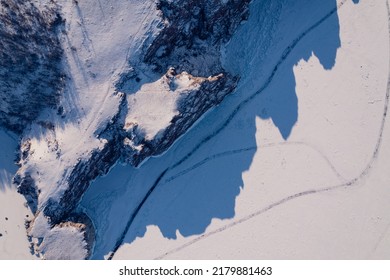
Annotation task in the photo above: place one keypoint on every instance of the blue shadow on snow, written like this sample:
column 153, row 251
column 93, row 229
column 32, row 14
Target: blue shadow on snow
column 187, row 201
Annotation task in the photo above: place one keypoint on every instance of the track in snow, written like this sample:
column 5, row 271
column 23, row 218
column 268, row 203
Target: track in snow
column 254, row 148
column 350, row 183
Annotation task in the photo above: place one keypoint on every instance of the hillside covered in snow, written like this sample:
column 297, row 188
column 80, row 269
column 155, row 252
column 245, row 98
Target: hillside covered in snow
column 154, row 129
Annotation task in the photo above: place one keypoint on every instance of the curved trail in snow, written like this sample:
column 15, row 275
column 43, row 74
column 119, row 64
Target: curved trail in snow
column 238, row 108
column 253, row 148
column 350, row 183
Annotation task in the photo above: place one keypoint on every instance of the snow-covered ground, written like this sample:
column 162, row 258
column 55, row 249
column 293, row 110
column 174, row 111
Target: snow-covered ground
column 245, row 191
column 153, row 107
column 293, row 164
column 13, row 239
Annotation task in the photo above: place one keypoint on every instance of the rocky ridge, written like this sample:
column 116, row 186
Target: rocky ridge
column 187, row 47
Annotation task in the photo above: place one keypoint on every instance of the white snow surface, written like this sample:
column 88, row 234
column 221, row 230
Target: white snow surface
column 153, row 106
column 64, row 243
column 13, row 212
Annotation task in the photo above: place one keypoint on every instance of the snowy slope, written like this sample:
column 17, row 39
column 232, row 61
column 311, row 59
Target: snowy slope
column 98, row 43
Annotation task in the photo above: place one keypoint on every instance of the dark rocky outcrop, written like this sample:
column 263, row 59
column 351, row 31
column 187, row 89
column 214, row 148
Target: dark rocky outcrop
column 27, row 187
column 98, row 164
column 193, row 33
